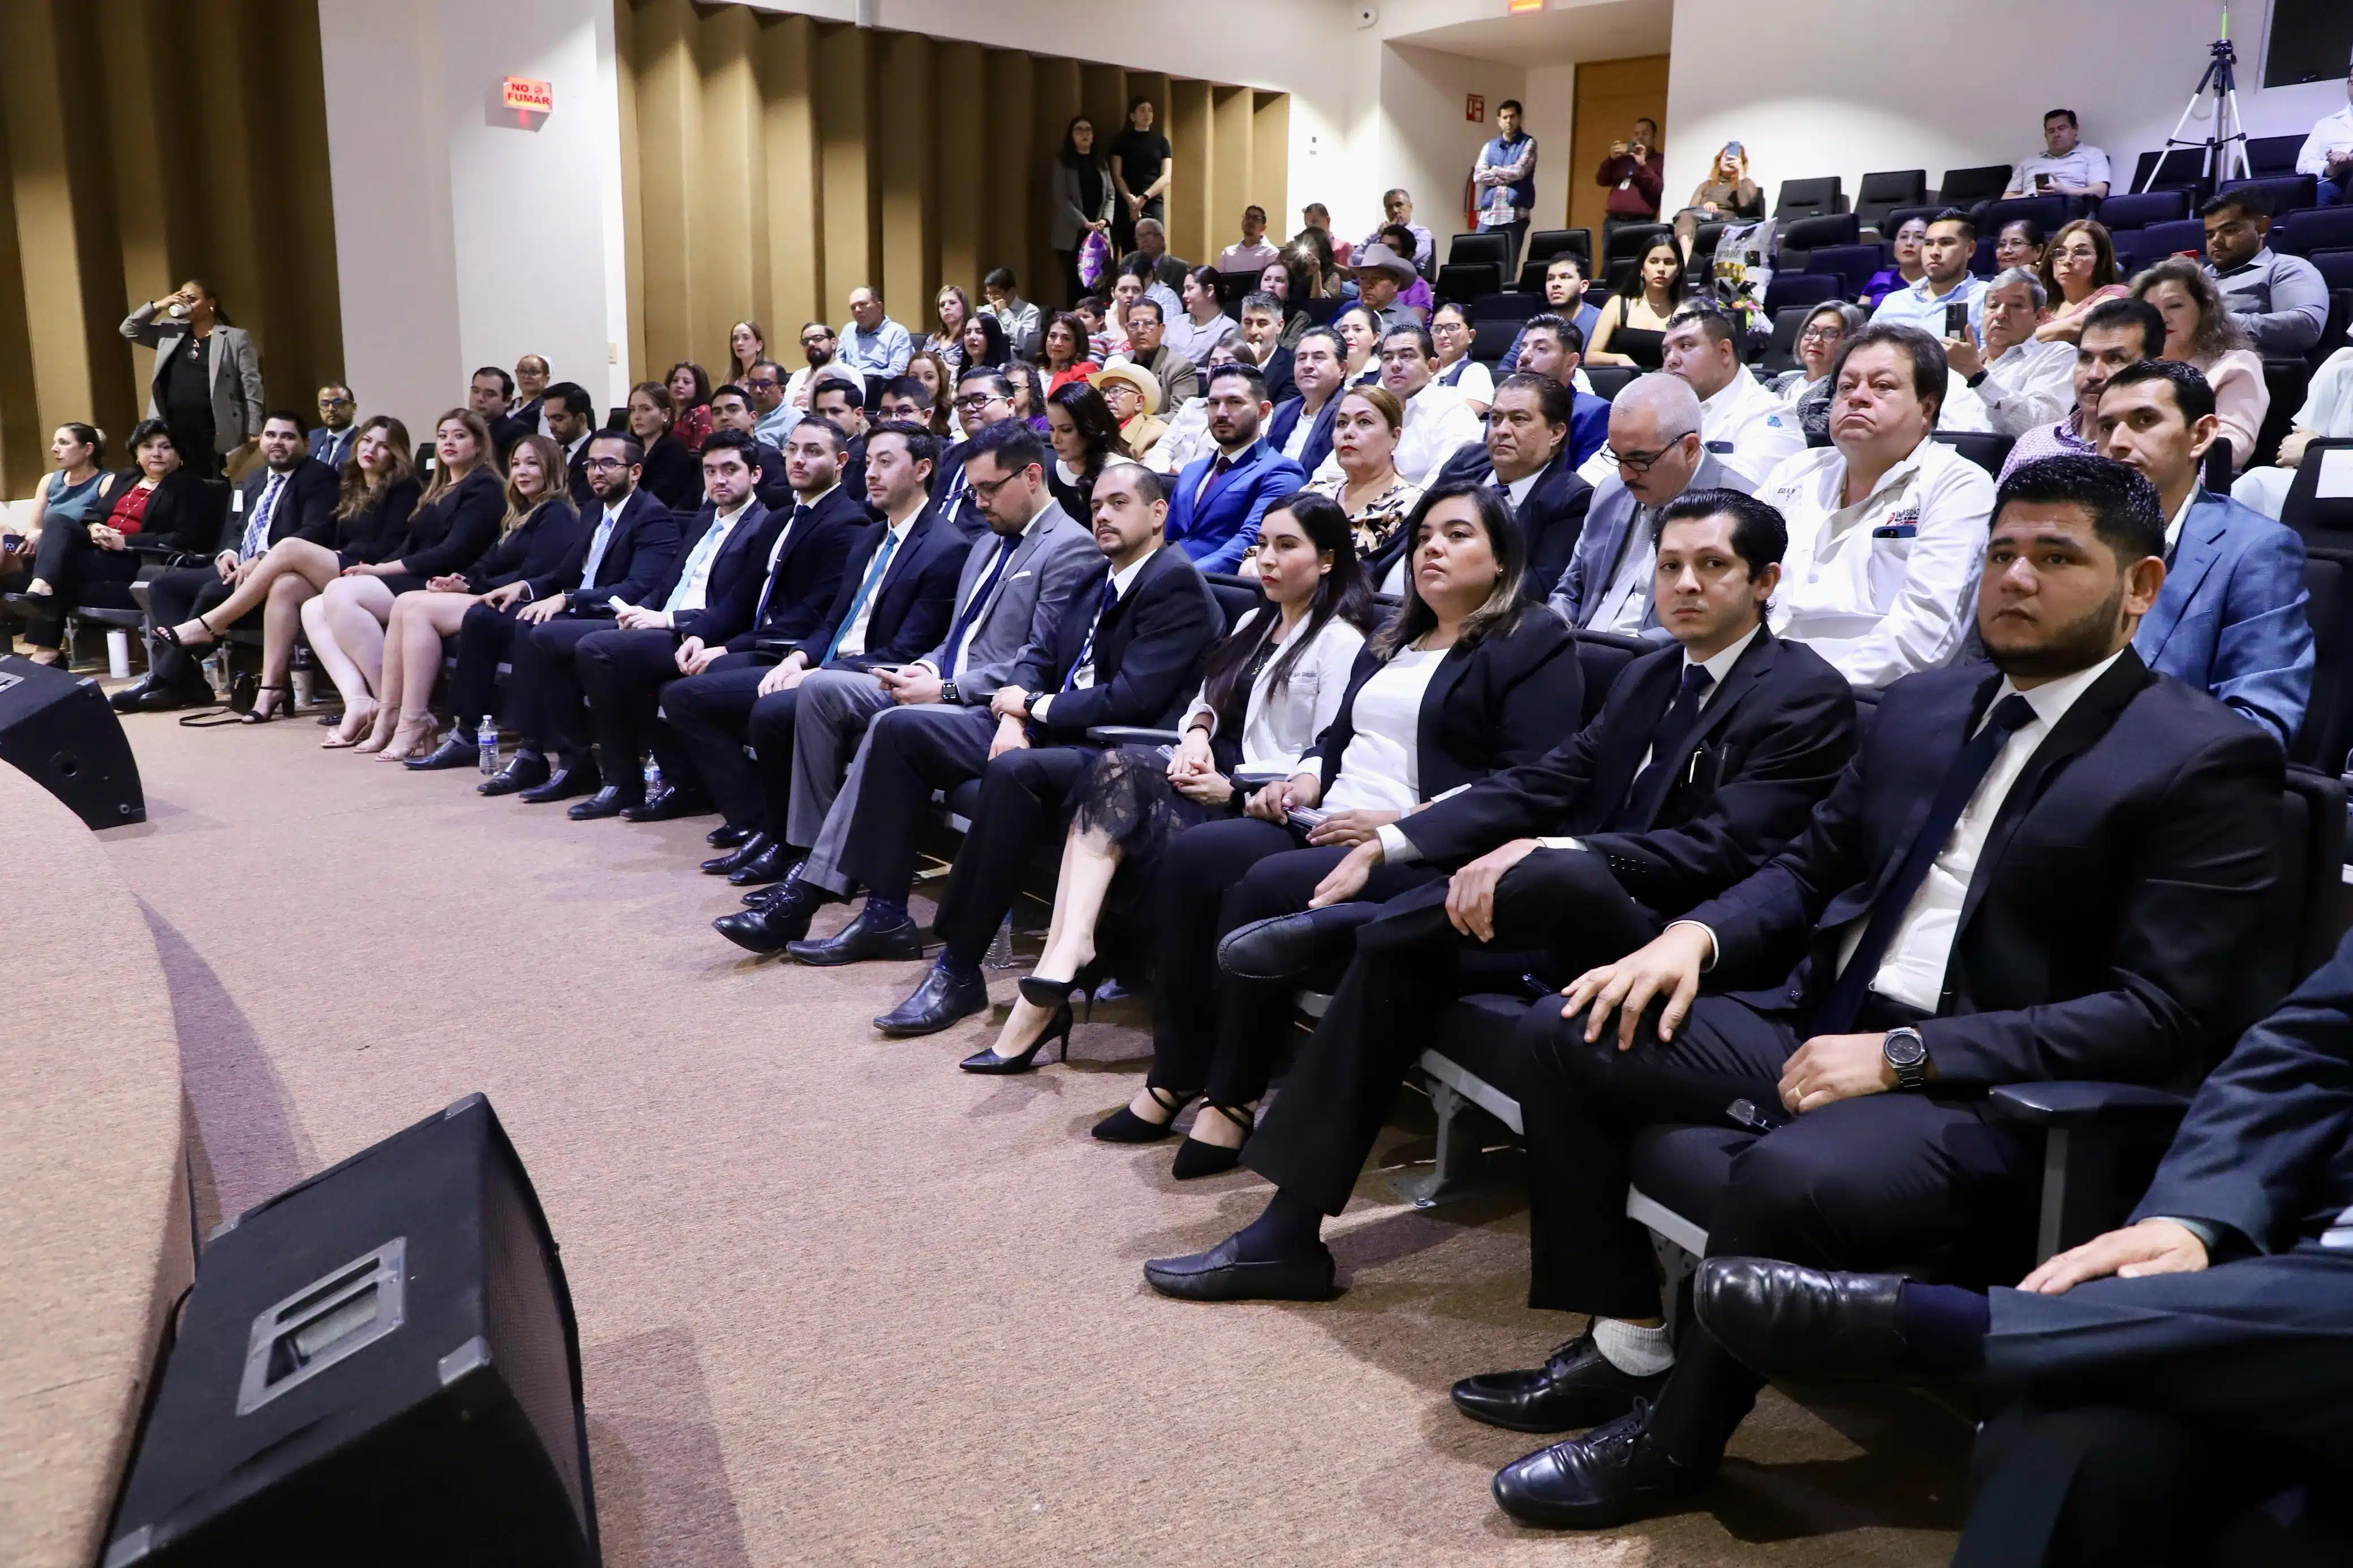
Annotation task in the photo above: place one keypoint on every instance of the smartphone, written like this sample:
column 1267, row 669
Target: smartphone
column 1957, row 320
column 2043, row 181
column 1304, row 820
column 11, row 543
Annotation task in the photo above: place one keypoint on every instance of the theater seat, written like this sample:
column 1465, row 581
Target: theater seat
column 1881, row 193
column 2130, row 210
column 1984, row 448
column 1463, row 282
column 1810, row 234
column 1964, row 188
column 1630, row 241
column 1545, row 244
column 1480, row 249
column 2336, row 269
column 2321, row 521
column 1609, row 379
column 1851, row 265
column 2287, row 193
column 2328, row 582
column 2179, row 169
column 1781, row 350
column 2046, row 213
column 1813, row 197
column 2315, row 228
column 2270, row 156
column 2185, row 238
column 1807, row 288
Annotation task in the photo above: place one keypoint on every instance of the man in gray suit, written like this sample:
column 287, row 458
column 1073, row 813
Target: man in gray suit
column 207, row 380
column 1654, row 435
column 1011, row 598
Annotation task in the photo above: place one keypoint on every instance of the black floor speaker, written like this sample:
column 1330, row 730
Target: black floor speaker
column 378, row 1366
column 56, row 728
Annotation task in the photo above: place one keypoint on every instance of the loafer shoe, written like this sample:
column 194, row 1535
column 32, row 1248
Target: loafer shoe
column 1290, row 945
column 1218, row 1275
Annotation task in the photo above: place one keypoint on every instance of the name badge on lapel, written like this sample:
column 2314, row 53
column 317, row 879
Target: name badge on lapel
column 1904, row 524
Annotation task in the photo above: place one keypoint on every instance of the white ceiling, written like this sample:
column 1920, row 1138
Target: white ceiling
column 1561, row 33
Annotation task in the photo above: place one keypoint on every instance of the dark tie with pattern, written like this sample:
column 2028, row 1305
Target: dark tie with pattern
column 1087, row 648
column 1670, row 747
column 1969, row 768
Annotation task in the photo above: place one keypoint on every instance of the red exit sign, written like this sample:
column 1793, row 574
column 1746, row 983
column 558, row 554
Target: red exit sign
column 529, row 93
column 1474, row 106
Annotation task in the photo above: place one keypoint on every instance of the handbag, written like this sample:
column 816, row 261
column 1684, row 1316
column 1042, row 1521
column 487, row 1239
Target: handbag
column 1094, row 259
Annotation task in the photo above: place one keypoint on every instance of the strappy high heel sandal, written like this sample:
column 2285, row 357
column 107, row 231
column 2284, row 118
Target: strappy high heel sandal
column 1056, row 1027
column 407, row 742
column 171, row 635
column 263, row 710
column 338, row 741
column 1124, row 1126
column 1196, row 1158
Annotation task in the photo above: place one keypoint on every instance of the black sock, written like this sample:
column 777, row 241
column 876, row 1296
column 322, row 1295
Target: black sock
column 886, row 911
column 1289, row 1227
column 1945, row 1328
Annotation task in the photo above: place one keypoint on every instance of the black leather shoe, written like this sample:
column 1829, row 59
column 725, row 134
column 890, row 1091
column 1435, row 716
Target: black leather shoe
column 1784, row 1320
column 940, row 1001
column 727, row 836
column 668, row 803
column 1290, row 945
column 770, row 864
column 735, row 859
column 1576, row 1388
column 149, row 698
column 519, row 776
column 454, row 752
column 1612, row 1474
column 863, row 938
column 784, row 919
column 607, row 801
column 562, row 783
column 1217, row 1274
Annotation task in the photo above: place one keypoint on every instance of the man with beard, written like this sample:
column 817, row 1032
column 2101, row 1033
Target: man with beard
column 1215, row 504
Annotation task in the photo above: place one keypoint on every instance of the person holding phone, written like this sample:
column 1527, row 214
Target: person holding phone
column 2065, row 167
column 1945, row 282
column 1635, row 174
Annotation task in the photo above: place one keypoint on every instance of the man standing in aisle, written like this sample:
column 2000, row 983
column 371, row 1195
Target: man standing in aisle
column 1505, row 179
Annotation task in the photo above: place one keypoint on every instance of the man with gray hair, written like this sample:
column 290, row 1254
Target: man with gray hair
column 1152, row 247
column 1655, row 442
column 2011, row 382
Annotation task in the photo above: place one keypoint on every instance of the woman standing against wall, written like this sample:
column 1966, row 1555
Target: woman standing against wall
column 1083, row 200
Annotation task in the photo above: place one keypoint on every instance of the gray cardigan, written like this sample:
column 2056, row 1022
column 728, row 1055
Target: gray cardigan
column 235, row 368
column 1071, row 219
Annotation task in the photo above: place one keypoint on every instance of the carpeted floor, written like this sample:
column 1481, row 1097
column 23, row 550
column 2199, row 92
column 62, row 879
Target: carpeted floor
column 839, row 1302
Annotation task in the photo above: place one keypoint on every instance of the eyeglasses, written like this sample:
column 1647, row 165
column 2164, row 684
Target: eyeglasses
column 817, row 343
column 601, row 464
column 762, row 381
column 976, row 400
column 987, row 489
column 1640, row 463
column 1820, row 335
column 334, row 402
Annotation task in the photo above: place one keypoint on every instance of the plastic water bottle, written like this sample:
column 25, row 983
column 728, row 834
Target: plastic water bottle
column 486, row 742
column 216, row 674
column 653, row 777
column 1000, row 946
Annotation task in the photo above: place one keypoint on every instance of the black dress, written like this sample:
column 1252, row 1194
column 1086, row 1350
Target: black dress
column 672, row 475
column 450, row 532
column 376, row 530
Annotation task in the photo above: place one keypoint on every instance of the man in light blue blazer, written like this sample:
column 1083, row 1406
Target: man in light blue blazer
column 2230, row 617
column 1215, row 505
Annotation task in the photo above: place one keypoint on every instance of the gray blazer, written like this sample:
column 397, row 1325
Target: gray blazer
column 1608, row 524
column 235, row 374
column 1056, row 559
column 1069, row 219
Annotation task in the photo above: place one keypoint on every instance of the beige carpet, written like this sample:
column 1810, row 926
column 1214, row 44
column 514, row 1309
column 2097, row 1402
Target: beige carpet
column 839, row 1302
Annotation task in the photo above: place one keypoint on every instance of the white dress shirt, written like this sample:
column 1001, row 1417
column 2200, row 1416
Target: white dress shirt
column 1748, row 429
column 1880, row 604
column 2078, row 170
column 2033, row 383
column 1919, row 306
column 1302, row 428
column 2180, row 515
column 1085, row 675
column 1381, row 769
column 694, row 581
column 2330, row 134
column 1439, row 423
column 1279, row 725
column 854, row 637
column 1913, row 972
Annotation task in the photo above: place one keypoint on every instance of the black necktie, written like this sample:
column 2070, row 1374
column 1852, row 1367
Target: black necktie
column 1969, row 771
column 801, row 511
column 1670, row 746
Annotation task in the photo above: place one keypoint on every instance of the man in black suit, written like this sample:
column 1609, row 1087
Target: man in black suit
column 291, row 496
column 983, row 397
column 746, row 567
column 538, row 624
column 1259, row 342
column 338, row 427
column 1706, row 758
column 731, row 409
column 1526, row 456
column 2044, row 871
column 487, row 394
column 897, row 590
column 1132, row 656
column 843, row 400
column 1301, row 428
column 571, row 419
column 2159, row 1380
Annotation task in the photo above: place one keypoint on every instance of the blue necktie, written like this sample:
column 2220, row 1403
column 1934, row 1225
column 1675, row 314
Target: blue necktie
column 257, row 533
column 1670, row 747
column 1969, row 768
column 695, row 559
column 603, row 537
column 881, row 563
column 799, row 511
column 971, row 613
column 1087, row 648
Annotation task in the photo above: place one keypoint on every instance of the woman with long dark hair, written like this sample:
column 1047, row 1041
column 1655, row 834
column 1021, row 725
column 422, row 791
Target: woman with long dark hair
column 1462, row 681
column 981, row 345
column 1083, row 200
column 690, row 395
column 1632, row 327
column 747, row 345
column 1063, row 352
column 76, row 453
column 1084, row 434
column 671, row 474
column 1268, row 690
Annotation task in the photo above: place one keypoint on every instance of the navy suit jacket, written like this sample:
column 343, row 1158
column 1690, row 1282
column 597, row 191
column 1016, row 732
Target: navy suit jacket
column 912, row 603
column 731, row 587
column 1553, row 518
column 1222, row 524
column 322, row 438
column 636, row 559
column 1285, row 419
column 948, row 480
column 1771, row 742
column 2230, row 619
column 806, row 577
column 305, row 508
column 2107, row 915
column 1147, row 655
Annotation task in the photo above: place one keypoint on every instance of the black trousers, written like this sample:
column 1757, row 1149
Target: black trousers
column 544, row 695
column 192, row 435
column 1560, row 909
column 624, row 675
column 78, row 572
column 1211, row 1033
column 486, row 639
column 1021, row 798
column 1881, row 1181
column 707, row 719
column 909, row 753
column 178, row 596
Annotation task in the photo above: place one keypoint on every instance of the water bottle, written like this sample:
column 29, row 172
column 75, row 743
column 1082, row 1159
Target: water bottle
column 216, row 674
column 486, row 742
column 1000, row 946
column 653, row 777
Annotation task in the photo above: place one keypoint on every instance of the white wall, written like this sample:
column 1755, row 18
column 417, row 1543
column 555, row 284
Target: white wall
column 1551, row 99
column 1419, row 139
column 1828, row 86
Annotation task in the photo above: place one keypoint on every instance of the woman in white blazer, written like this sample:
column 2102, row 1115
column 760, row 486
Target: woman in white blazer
column 207, row 382
column 1270, row 689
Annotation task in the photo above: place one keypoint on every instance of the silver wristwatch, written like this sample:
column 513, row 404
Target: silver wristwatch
column 1907, row 1053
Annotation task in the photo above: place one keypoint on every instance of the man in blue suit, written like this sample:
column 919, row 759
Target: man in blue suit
column 331, row 443
column 1551, row 345
column 1217, row 501
column 2230, row 617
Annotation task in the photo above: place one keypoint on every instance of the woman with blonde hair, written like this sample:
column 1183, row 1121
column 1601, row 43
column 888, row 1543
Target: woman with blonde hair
column 1727, row 194
column 2199, row 330
column 930, row 367
column 539, row 528
column 954, row 307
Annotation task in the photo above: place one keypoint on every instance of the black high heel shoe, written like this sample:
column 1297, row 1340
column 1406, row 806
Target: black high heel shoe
column 263, row 711
column 171, row 635
column 1196, row 1158
column 1048, row 993
column 1124, row 1126
column 1057, row 1027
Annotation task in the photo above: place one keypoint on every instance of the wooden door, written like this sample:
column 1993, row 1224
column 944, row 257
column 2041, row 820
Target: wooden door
column 1610, row 96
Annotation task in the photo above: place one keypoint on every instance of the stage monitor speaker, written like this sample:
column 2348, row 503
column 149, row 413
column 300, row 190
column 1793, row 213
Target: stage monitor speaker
column 56, row 728
column 378, row 1366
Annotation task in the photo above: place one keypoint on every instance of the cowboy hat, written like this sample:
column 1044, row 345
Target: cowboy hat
column 1126, row 371
column 1379, row 258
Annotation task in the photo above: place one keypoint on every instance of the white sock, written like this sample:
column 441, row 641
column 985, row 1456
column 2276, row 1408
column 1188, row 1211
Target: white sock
column 1636, row 1351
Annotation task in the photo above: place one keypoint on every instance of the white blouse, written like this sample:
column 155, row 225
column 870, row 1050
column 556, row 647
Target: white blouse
column 1381, row 769
column 1279, row 725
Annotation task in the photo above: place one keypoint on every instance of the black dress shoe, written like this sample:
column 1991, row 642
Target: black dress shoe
column 1612, row 1474
column 727, row 836
column 519, row 776
column 1784, row 1320
column 1217, row 1274
column 862, row 938
column 1576, row 1388
column 783, row 919
column 744, row 851
column 668, row 803
column 607, row 801
column 562, row 783
column 1288, row 945
column 457, row 751
column 149, row 698
column 772, row 863
column 940, row 1001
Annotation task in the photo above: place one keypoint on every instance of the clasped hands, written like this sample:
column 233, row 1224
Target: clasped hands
column 1193, row 770
column 1301, row 792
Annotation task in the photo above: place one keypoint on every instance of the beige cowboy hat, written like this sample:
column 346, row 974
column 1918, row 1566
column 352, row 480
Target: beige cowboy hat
column 1126, row 371
column 1379, row 258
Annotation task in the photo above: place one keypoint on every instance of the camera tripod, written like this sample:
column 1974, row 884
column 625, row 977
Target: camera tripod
column 2225, row 147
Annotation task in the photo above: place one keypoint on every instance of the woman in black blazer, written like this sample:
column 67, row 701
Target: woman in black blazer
column 160, row 503
column 1464, row 681
column 539, row 530
column 668, row 472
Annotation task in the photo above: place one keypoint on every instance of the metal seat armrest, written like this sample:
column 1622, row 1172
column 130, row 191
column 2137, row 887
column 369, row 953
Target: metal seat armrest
column 2126, row 1106
column 1128, row 735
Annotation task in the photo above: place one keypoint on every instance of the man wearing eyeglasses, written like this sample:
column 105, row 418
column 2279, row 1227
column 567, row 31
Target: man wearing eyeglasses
column 983, row 398
column 331, row 443
column 819, row 346
column 1656, row 454
column 772, row 414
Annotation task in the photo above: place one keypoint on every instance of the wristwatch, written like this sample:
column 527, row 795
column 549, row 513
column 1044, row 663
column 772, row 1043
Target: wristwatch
column 949, row 694
column 1907, row 1053
column 1976, row 380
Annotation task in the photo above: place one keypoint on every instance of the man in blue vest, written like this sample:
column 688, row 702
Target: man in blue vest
column 1506, row 179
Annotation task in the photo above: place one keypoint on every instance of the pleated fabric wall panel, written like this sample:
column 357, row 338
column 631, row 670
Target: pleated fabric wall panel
column 144, row 142
column 771, row 164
